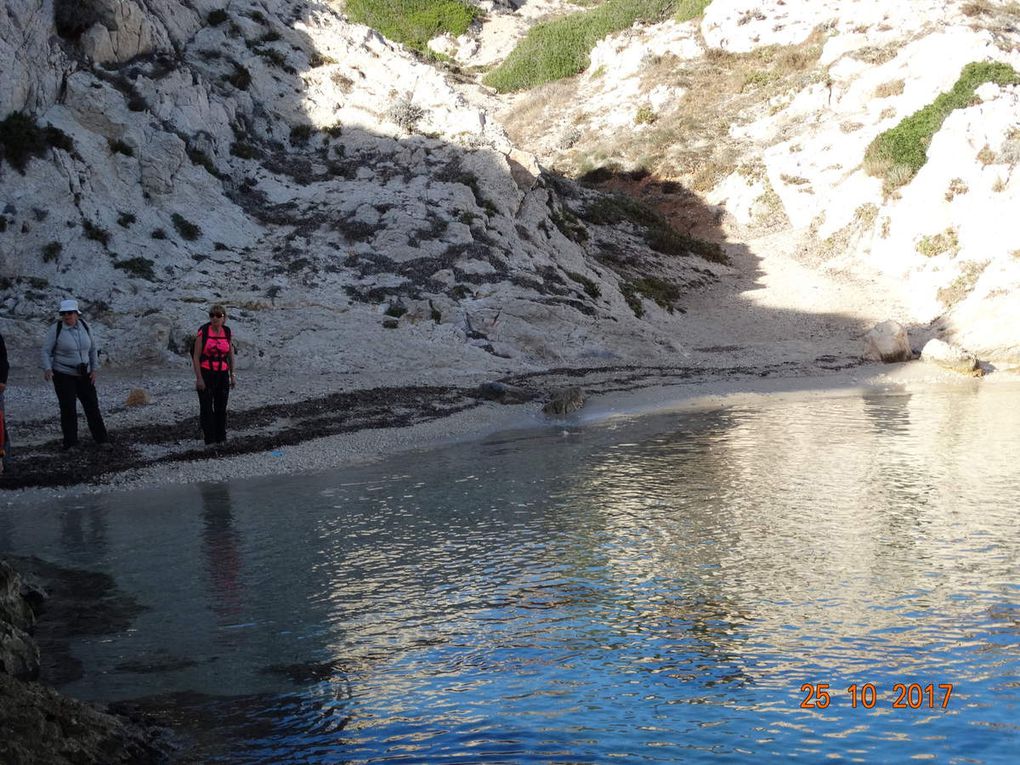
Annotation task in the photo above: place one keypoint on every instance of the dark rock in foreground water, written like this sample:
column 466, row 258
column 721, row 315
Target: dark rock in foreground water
column 39, row 724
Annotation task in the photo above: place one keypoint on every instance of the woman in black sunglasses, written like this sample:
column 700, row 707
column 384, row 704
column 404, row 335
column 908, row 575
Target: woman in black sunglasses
column 213, row 360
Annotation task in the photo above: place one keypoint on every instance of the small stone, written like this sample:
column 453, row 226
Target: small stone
column 138, row 397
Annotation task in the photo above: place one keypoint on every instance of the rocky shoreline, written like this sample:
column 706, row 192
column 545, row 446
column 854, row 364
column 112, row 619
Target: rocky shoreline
column 41, row 607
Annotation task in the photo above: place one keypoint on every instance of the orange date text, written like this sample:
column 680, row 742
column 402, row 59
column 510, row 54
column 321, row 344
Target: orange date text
column 866, row 695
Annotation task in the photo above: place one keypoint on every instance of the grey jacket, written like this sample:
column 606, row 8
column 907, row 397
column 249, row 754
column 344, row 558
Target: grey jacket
column 74, row 346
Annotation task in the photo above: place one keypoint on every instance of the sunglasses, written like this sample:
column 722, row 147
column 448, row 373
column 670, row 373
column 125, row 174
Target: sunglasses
column 68, row 313
column 215, row 315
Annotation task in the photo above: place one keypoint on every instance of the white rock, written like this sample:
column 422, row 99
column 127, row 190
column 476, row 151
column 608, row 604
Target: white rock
column 948, row 356
column 887, row 342
column 123, row 32
column 161, row 159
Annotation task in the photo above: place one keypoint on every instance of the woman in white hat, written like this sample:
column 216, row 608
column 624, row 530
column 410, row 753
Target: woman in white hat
column 69, row 360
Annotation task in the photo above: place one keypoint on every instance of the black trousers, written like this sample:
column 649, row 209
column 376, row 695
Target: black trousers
column 212, row 403
column 80, row 387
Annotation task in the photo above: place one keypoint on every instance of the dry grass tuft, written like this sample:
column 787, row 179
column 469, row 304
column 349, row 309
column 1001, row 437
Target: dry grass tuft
column 942, row 243
column 956, row 188
column 977, row 8
column 963, row 285
column 888, row 89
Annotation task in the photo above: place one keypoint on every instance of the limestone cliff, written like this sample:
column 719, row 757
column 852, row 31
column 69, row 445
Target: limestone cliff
column 354, row 205
column 361, row 208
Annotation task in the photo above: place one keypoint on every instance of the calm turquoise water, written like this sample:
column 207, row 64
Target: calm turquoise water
column 650, row 590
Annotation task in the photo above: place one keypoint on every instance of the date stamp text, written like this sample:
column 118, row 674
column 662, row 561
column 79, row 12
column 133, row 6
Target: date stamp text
column 867, row 696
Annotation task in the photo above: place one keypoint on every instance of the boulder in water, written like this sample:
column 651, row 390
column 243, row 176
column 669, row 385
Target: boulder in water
column 564, row 402
column 951, row 357
column 887, row 342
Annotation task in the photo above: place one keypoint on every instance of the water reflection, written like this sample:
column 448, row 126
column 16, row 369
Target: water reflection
column 657, row 589
column 83, row 532
column 222, row 556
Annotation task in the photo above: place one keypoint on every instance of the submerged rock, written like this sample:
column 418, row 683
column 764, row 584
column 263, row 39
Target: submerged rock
column 41, row 725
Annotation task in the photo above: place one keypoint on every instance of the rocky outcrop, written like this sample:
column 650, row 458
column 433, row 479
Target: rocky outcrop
column 887, row 342
column 41, row 726
column 781, row 148
column 122, row 31
column 314, row 177
column 19, row 655
column 950, row 357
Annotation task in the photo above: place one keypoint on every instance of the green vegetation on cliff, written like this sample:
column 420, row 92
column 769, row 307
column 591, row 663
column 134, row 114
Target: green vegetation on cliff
column 413, row 22
column 556, row 49
column 900, row 152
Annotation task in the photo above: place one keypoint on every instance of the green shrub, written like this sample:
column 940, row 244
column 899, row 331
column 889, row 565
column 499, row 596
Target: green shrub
column 413, row 22
column 188, row 230
column 633, row 299
column 243, row 149
column 95, row 233
column 645, row 116
column 939, row 244
column 900, row 152
column 125, row 219
column 590, row 287
column 73, row 17
column 317, row 59
column 21, row 139
column 52, row 251
column 660, row 236
column 274, row 57
column 216, row 17
column 240, row 78
column 556, row 49
column 119, row 147
column 158, row 233
column 396, row 310
column 299, row 134
column 140, row 267
column 200, row 158
column 690, row 9
column 659, row 291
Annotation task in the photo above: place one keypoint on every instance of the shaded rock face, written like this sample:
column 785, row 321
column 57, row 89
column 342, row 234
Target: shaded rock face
column 887, row 342
column 19, row 655
column 43, row 726
column 307, row 173
column 14, row 607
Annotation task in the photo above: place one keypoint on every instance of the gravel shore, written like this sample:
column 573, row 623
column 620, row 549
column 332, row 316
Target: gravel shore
column 282, row 425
